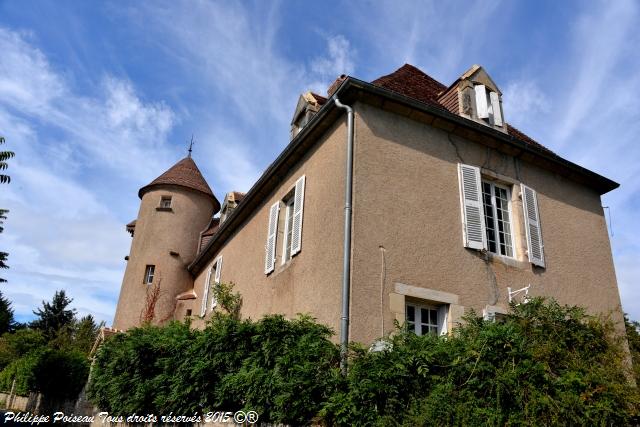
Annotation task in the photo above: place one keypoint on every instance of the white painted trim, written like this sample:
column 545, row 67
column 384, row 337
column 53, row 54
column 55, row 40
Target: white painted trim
column 426, row 294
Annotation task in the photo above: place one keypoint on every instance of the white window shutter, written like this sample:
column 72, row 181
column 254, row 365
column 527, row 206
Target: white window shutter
column 535, row 247
column 270, row 248
column 472, row 209
column 482, row 109
column 443, row 319
column 298, row 207
column 205, row 294
column 216, row 279
column 495, row 106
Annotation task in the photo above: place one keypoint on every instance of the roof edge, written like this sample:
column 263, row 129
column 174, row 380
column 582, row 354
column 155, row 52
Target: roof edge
column 352, row 84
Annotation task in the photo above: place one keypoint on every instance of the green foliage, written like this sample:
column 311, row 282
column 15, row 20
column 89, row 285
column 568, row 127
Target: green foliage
column 282, row 369
column 18, row 344
column 59, row 374
column 22, row 371
column 546, row 364
column 287, row 373
column 51, row 359
column 230, row 302
column 7, row 322
column 53, row 317
column 633, row 338
column 4, row 156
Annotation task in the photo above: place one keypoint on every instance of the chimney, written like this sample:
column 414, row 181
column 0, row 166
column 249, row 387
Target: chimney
column 336, row 84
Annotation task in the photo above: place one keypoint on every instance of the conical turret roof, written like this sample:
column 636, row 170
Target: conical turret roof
column 186, row 174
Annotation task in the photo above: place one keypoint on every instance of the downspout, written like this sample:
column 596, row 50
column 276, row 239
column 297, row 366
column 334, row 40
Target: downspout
column 346, row 266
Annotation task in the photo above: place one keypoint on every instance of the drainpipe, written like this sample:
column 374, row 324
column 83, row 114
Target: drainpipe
column 346, row 266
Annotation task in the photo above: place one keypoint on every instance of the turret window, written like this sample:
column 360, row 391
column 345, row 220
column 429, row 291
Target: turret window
column 148, row 274
column 165, row 202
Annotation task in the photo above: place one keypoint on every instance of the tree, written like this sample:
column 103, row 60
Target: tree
column 4, row 156
column 85, row 333
column 7, row 322
column 54, row 317
column 633, row 338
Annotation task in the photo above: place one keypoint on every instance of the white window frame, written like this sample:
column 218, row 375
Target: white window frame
column 149, row 274
column 442, row 314
column 494, row 207
column 288, row 227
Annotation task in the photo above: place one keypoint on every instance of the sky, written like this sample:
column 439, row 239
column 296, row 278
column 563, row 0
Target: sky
column 99, row 98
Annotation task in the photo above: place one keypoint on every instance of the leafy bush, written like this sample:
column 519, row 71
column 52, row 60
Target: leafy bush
column 546, row 364
column 22, row 371
column 59, row 374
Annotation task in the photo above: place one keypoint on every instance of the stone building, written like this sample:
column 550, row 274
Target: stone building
column 452, row 208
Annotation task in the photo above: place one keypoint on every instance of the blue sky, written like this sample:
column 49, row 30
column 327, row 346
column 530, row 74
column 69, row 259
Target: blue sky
column 98, row 98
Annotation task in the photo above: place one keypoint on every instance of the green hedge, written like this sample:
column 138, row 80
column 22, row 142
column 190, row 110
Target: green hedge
column 57, row 374
column 544, row 365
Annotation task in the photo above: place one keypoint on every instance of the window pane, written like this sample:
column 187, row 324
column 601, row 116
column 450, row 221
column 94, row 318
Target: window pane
column 424, row 315
column 411, row 314
column 433, row 330
column 433, row 319
column 411, row 327
column 424, row 330
column 489, row 221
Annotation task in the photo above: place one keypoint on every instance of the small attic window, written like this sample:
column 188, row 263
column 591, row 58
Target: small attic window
column 488, row 105
column 165, row 204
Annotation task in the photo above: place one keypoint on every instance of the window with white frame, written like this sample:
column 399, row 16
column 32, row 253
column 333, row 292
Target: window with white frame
column 487, row 217
column 288, row 228
column 148, row 274
column 294, row 205
column 497, row 218
column 212, row 279
column 426, row 319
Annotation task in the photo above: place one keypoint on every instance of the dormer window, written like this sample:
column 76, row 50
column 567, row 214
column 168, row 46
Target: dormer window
column 488, row 105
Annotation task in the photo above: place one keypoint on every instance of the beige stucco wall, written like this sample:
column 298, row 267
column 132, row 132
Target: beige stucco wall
column 156, row 234
column 310, row 282
column 406, row 201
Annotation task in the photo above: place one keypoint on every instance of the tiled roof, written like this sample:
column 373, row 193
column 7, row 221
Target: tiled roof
column 213, row 227
column 185, row 173
column 412, row 82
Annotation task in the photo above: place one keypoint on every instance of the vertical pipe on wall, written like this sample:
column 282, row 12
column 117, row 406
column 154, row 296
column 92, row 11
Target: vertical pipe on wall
column 346, row 266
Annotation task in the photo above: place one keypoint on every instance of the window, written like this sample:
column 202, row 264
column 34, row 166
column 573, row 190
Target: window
column 211, row 280
column 148, row 274
column 165, row 202
column 189, row 312
column 486, row 216
column 488, row 105
column 497, row 218
column 426, row 319
column 293, row 226
column 288, row 229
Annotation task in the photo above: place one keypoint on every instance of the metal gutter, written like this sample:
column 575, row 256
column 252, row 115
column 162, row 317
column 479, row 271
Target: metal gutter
column 350, row 90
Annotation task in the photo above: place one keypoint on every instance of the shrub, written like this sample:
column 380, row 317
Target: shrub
column 546, row 364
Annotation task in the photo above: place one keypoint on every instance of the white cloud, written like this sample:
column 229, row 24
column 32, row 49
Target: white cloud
column 61, row 232
column 602, row 38
column 523, row 102
column 339, row 59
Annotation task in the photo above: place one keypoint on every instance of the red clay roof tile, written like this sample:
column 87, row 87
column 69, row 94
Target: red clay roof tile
column 186, row 174
column 412, row 82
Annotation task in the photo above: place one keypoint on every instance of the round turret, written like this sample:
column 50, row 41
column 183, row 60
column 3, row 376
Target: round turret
column 174, row 209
